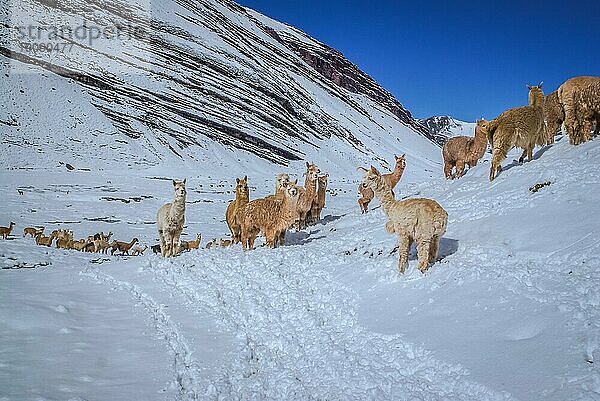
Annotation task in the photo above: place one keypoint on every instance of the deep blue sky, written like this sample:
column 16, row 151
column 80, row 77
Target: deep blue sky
column 467, row 60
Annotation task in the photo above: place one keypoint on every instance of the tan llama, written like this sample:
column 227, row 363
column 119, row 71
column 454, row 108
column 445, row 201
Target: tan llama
column 554, row 116
column 225, row 243
column 321, row 192
column 40, row 239
column 522, row 127
column 391, row 179
column 100, row 245
column 79, row 245
column 189, row 245
column 270, row 216
column 135, row 251
column 420, row 220
column 32, row 231
column 587, row 111
column 5, row 231
column 308, row 195
column 463, row 150
column 170, row 219
column 232, row 215
column 567, row 96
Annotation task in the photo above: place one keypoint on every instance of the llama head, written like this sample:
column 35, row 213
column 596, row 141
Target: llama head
column 179, row 189
column 12, row 224
column 400, row 162
column 292, row 191
column 372, row 178
column 241, row 187
column 323, row 180
column 536, row 95
column 312, row 171
column 135, row 240
column 281, row 181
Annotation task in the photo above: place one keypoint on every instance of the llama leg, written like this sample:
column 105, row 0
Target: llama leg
column 282, row 238
column 522, row 157
column 168, row 244
column 176, row 249
column 448, row 169
column 434, row 248
column 404, row 243
column 423, row 247
column 496, row 165
column 163, row 243
column 270, row 238
column 460, row 168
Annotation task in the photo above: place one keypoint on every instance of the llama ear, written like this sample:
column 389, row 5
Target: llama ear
column 174, row 183
column 403, row 155
column 540, row 85
column 375, row 171
column 237, row 180
column 307, row 165
column 245, row 178
column 529, row 87
column 184, row 180
column 295, row 182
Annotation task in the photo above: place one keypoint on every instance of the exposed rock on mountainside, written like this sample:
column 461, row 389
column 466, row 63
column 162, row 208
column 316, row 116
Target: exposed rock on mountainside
column 441, row 128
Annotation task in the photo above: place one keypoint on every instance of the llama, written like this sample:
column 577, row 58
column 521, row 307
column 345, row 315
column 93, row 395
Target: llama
column 308, row 195
column 123, row 247
column 136, row 251
column 5, row 231
column 567, row 96
column 463, row 150
column 100, row 245
column 170, row 219
column 518, row 127
column 554, row 116
column 320, row 204
column 193, row 244
column 40, row 239
column 242, row 197
column 32, row 231
column 421, row 220
column 225, row 243
column 212, row 243
column 64, row 241
column 391, row 179
column 587, row 111
column 270, row 216
column 79, row 245
column 155, row 248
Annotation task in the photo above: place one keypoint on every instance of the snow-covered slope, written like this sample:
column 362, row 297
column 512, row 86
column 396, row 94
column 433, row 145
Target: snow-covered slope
column 509, row 312
column 443, row 127
column 181, row 83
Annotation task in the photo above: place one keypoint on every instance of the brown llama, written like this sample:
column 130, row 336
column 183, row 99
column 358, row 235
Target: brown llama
column 308, row 195
column 522, row 127
column 463, row 150
column 79, row 245
column 170, row 219
column 568, row 98
column 40, row 239
column 5, row 231
column 225, row 243
column 32, row 231
column 391, row 179
column 235, row 207
column 123, row 247
column 270, row 216
column 321, row 192
column 587, row 111
column 420, row 220
column 193, row 244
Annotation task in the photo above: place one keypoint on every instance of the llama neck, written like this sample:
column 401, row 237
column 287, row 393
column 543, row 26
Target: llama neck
column 536, row 100
column 243, row 197
column 396, row 175
column 479, row 143
column 178, row 206
column 310, row 186
column 384, row 194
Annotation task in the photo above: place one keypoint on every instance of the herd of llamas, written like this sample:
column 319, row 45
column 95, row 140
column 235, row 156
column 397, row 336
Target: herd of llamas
column 575, row 106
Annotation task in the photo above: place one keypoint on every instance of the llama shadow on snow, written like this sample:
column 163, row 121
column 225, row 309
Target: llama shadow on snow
column 536, row 156
column 301, row 237
column 448, row 246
